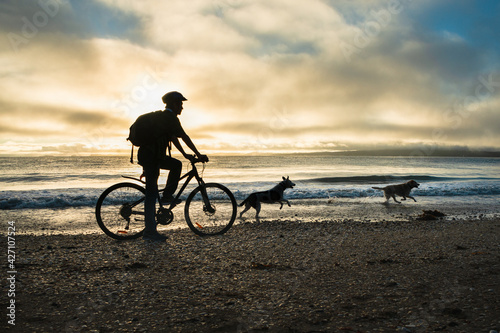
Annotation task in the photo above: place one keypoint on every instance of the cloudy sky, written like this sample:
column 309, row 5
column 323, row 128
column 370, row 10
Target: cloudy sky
column 259, row 75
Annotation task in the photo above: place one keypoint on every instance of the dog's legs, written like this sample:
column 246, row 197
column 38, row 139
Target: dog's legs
column 394, row 197
column 257, row 208
column 283, row 201
column 412, row 198
column 247, row 207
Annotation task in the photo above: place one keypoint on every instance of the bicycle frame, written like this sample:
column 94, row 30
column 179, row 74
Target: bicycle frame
column 193, row 173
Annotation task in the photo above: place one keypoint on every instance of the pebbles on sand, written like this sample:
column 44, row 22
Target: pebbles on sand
column 276, row 276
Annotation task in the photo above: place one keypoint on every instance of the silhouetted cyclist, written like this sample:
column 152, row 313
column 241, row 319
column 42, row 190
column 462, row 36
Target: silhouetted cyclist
column 153, row 157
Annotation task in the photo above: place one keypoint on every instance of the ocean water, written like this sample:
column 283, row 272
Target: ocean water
column 62, row 182
column 58, row 182
column 57, row 195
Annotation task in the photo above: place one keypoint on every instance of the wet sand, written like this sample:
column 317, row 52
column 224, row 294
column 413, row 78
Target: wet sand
column 81, row 220
column 297, row 271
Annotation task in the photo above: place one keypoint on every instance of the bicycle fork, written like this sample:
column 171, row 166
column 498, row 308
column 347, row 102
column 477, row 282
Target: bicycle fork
column 207, row 206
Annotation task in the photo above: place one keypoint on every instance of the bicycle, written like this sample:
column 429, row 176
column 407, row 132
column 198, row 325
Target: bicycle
column 210, row 209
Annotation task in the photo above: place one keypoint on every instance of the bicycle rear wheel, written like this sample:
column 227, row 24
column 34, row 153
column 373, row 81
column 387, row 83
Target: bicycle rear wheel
column 214, row 219
column 120, row 211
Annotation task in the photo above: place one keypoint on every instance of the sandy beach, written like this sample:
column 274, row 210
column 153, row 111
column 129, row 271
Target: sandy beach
column 295, row 274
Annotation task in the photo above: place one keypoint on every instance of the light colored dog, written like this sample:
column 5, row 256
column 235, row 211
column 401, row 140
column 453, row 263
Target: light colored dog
column 271, row 196
column 402, row 190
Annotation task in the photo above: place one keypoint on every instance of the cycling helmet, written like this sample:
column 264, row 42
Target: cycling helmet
column 173, row 96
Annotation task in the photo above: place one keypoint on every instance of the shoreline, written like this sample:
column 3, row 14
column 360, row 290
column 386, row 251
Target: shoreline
column 275, row 276
column 81, row 220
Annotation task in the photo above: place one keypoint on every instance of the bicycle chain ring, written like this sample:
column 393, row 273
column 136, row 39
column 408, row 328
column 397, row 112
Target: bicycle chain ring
column 164, row 216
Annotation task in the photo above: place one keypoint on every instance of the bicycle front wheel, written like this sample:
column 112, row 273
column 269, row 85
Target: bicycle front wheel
column 120, row 211
column 212, row 214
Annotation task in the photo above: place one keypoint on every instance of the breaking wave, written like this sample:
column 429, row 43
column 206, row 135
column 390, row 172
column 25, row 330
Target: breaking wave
column 317, row 188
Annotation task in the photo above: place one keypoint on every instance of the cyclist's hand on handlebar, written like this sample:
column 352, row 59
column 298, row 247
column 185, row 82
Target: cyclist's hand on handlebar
column 203, row 158
column 200, row 158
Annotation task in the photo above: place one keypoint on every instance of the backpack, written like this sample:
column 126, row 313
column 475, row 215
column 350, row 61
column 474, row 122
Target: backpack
column 146, row 130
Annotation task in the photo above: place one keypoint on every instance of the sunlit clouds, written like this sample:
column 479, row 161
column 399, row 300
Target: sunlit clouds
column 260, row 76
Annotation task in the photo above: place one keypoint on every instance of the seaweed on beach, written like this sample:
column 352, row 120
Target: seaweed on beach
column 428, row 215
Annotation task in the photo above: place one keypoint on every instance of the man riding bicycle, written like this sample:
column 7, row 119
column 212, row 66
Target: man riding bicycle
column 153, row 157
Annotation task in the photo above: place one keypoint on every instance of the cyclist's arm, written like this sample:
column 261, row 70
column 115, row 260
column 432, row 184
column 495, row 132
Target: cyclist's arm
column 190, row 144
column 178, row 145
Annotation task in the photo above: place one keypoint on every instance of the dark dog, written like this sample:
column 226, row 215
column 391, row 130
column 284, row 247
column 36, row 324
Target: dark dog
column 271, row 196
column 402, row 190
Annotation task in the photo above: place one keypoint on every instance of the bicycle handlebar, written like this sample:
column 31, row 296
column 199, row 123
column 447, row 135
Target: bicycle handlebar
column 195, row 160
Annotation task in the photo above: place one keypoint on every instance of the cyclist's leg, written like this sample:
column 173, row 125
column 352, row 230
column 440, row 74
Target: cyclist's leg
column 148, row 159
column 175, row 168
column 151, row 172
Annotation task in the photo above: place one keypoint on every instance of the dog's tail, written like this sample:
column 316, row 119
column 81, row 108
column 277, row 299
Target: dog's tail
column 377, row 188
column 243, row 202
